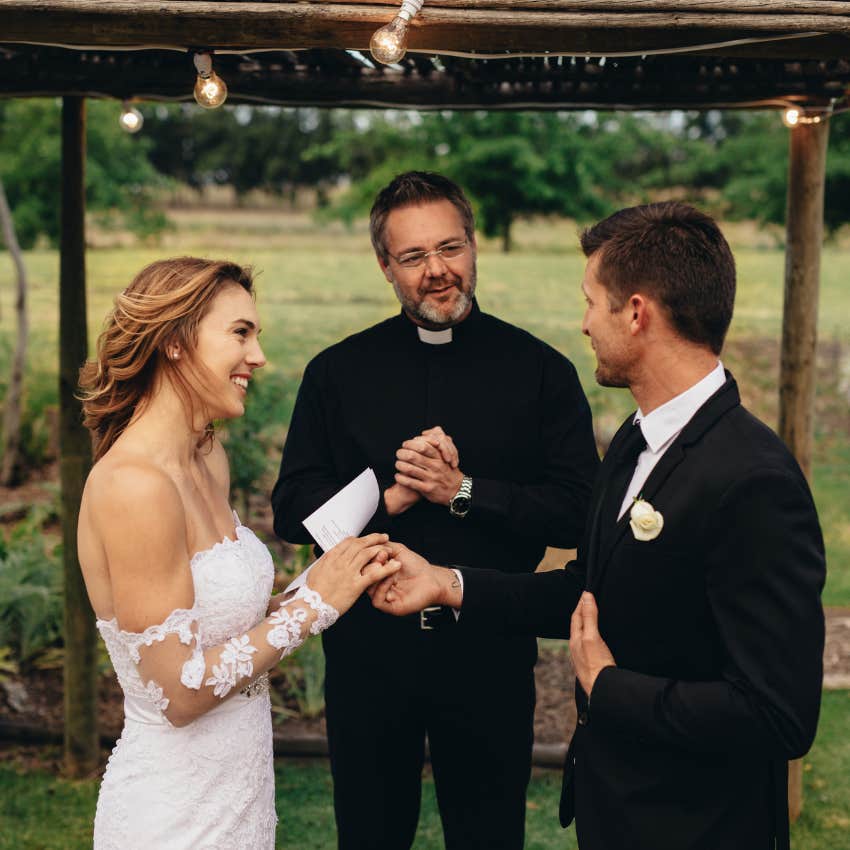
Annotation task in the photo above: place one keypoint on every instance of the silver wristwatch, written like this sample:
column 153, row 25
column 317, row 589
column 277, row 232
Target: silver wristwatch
column 459, row 505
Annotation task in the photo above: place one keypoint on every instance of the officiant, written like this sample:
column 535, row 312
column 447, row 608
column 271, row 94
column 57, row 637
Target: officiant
column 480, row 436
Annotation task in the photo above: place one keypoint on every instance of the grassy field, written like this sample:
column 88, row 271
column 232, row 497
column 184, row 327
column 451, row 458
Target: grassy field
column 41, row 812
column 317, row 284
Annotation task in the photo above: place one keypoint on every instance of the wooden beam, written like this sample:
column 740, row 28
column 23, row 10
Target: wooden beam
column 294, row 25
column 770, row 7
column 80, row 662
column 333, row 78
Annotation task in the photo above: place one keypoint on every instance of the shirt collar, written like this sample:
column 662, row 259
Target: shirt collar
column 447, row 334
column 434, row 337
column 666, row 422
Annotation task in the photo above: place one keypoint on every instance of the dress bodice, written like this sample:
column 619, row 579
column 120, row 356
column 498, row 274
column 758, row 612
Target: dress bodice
column 233, row 582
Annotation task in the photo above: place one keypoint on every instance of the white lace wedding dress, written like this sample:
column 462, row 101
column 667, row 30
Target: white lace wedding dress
column 208, row 784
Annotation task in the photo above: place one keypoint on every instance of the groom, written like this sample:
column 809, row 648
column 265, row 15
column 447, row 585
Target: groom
column 697, row 628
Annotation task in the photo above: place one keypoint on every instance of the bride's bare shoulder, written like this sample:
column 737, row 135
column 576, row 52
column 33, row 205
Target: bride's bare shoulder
column 132, row 491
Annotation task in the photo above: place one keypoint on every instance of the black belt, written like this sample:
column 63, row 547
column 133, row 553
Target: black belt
column 436, row 618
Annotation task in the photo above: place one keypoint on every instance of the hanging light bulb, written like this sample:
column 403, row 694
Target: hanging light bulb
column 791, row 117
column 389, row 44
column 210, row 90
column 131, row 119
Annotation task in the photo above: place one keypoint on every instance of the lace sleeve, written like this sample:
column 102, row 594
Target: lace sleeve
column 185, row 679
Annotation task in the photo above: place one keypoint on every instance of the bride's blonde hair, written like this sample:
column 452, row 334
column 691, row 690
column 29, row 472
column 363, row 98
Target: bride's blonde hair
column 160, row 308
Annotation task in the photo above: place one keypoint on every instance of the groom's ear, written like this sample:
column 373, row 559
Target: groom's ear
column 638, row 309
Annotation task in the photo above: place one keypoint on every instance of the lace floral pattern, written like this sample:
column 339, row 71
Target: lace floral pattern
column 178, row 622
column 192, row 674
column 154, row 692
column 287, row 629
column 210, row 784
column 327, row 615
column 234, row 664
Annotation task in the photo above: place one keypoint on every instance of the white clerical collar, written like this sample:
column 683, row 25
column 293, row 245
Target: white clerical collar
column 666, row 422
column 434, row 337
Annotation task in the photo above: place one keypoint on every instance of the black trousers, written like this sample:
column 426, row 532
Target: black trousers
column 386, row 689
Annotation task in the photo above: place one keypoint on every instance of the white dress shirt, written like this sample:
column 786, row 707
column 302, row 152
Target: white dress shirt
column 664, row 424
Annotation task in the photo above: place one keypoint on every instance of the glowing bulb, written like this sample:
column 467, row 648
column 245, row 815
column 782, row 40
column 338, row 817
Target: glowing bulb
column 389, row 44
column 131, row 119
column 791, row 117
column 210, row 90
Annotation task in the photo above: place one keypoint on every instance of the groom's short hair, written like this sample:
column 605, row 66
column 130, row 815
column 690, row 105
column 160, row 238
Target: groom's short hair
column 675, row 254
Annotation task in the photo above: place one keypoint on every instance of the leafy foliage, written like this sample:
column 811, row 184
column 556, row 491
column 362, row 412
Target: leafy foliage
column 30, row 592
column 518, row 165
column 250, row 439
column 303, row 672
column 515, row 165
column 120, row 180
column 261, row 148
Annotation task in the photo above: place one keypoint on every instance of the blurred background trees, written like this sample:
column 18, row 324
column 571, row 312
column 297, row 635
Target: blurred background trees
column 513, row 164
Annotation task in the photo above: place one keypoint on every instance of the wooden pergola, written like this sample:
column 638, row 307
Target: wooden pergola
column 463, row 54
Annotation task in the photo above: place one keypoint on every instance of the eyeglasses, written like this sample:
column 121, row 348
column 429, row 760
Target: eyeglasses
column 415, row 259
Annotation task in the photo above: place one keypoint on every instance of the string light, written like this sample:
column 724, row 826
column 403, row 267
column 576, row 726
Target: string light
column 210, row 90
column 795, row 116
column 131, row 119
column 791, row 117
column 389, row 44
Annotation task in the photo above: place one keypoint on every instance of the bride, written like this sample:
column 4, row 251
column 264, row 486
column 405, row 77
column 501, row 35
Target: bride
column 182, row 590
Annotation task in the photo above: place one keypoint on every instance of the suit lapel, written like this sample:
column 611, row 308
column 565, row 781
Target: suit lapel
column 609, row 538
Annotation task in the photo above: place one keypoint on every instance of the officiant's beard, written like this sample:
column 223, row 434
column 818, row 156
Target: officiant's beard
column 431, row 316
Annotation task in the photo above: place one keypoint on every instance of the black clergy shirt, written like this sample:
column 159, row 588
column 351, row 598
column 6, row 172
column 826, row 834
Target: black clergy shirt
column 511, row 403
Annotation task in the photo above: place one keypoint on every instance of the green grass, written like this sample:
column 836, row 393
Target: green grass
column 318, row 284
column 39, row 811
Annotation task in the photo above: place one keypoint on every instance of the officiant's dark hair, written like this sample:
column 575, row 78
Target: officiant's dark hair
column 162, row 307
column 416, row 187
column 675, row 254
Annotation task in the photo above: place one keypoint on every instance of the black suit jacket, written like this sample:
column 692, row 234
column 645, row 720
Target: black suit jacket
column 717, row 629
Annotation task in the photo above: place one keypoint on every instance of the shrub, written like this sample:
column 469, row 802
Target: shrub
column 303, row 672
column 30, row 591
column 250, row 439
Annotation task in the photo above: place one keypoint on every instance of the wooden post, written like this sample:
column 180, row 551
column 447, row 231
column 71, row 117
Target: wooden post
column 804, row 224
column 80, row 667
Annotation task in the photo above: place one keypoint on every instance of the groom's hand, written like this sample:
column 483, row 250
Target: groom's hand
column 417, row 585
column 589, row 653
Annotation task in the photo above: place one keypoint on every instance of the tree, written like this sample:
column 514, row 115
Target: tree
column 513, row 165
column 12, row 405
column 518, row 165
column 119, row 179
column 271, row 148
column 737, row 163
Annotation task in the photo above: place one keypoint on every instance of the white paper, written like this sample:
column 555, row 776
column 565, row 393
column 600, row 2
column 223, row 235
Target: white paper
column 345, row 514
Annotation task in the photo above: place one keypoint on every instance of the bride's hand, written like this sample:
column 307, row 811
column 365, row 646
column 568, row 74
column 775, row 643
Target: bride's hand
column 344, row 573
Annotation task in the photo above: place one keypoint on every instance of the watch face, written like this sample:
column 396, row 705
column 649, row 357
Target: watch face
column 460, row 504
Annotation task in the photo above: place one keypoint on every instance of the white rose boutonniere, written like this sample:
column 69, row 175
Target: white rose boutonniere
column 646, row 522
